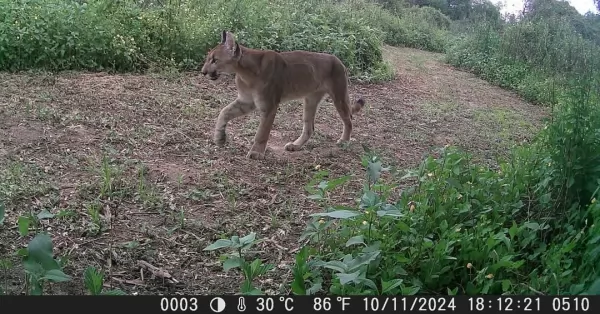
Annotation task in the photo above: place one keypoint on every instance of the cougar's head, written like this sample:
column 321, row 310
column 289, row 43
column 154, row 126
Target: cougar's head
column 222, row 58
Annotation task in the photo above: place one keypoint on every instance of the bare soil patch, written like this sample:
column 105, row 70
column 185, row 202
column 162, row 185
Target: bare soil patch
column 137, row 150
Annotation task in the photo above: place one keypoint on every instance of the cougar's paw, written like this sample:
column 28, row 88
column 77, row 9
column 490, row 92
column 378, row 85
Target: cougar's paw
column 220, row 138
column 291, row 147
column 342, row 141
column 255, row 155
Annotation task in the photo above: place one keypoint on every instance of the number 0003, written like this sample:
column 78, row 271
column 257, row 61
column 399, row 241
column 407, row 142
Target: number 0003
column 178, row 304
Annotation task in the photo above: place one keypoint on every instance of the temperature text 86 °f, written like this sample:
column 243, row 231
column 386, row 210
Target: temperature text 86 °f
column 324, row 304
column 268, row 304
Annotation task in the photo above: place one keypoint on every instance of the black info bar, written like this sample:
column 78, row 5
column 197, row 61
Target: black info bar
column 302, row 304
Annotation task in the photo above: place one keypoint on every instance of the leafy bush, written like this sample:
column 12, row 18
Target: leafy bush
column 423, row 28
column 129, row 35
column 459, row 229
column 538, row 60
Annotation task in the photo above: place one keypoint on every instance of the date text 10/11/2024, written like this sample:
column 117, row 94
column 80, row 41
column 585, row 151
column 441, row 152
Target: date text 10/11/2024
column 474, row 304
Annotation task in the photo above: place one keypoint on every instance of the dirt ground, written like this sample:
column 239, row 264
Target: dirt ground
column 133, row 154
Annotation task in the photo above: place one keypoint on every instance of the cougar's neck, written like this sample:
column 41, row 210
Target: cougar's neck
column 248, row 66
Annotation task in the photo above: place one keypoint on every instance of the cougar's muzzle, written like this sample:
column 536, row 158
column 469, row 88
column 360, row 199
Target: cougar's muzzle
column 213, row 75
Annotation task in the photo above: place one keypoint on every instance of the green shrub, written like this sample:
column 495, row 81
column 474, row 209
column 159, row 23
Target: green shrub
column 422, row 28
column 548, row 62
column 456, row 228
column 126, row 36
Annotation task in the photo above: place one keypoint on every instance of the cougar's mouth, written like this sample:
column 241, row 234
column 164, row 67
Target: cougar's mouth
column 213, row 75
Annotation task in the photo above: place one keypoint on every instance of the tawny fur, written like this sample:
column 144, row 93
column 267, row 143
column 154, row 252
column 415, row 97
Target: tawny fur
column 265, row 78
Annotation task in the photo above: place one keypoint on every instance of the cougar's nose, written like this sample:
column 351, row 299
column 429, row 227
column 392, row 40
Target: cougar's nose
column 203, row 72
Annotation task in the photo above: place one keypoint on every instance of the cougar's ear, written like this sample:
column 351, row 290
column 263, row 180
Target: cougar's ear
column 237, row 52
column 229, row 42
column 223, row 37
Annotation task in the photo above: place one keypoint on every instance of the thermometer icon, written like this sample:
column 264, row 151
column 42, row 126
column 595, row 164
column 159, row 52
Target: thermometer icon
column 241, row 304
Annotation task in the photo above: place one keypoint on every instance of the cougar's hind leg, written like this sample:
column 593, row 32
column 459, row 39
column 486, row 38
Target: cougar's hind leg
column 311, row 105
column 341, row 102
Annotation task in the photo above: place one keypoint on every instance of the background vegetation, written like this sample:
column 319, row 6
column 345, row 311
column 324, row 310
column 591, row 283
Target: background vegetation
column 528, row 226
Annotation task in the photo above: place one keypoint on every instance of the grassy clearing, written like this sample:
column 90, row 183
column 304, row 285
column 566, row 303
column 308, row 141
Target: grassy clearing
column 155, row 189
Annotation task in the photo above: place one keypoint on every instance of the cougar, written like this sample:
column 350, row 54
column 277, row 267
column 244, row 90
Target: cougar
column 266, row 78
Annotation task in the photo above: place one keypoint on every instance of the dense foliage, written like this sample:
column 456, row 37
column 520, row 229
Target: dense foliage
column 130, row 35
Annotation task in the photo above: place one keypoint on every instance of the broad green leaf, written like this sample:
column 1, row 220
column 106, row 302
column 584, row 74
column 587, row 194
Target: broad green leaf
column 594, row 288
column 336, row 265
column 374, row 171
column 513, row 230
column 314, row 288
column 337, row 182
column 390, row 212
column 219, row 244
column 45, row 214
column 373, row 247
column 232, row 262
column 249, row 238
column 402, row 226
column 369, row 283
column 362, row 259
column 532, row 225
column 576, row 289
column 341, row 214
column 400, row 271
column 410, row 290
column 346, row 278
column 32, row 267
column 359, row 239
column 257, row 268
column 23, row 223
column 40, row 250
column 56, row 275
column 454, row 183
column 506, row 285
column 322, row 185
column 388, row 286
column 369, row 199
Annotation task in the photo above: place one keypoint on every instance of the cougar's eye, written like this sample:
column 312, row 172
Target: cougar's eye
column 213, row 60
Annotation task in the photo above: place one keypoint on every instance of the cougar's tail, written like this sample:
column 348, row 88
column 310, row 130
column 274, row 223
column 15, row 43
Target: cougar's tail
column 358, row 105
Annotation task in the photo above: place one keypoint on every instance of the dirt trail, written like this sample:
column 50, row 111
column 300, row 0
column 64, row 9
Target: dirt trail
column 167, row 191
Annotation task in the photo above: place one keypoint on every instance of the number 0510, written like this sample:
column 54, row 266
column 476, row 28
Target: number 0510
column 570, row 304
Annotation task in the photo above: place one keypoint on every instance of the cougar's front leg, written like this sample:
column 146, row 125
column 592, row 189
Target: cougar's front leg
column 235, row 109
column 261, row 138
